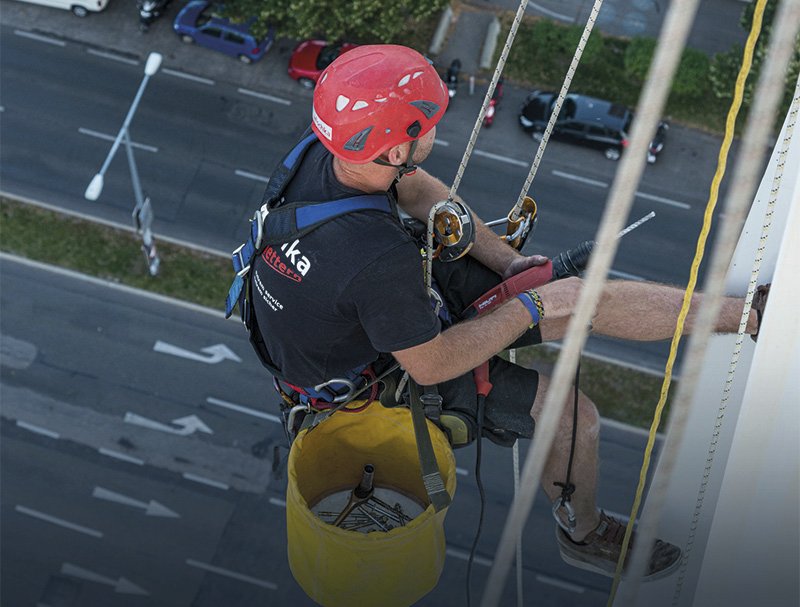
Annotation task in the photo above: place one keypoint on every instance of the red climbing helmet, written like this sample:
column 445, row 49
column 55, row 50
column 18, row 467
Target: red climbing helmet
column 375, row 97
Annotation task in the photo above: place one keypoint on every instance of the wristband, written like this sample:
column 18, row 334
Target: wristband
column 533, row 303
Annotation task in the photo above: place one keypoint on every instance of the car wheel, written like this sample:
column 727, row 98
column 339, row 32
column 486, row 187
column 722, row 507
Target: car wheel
column 612, row 153
column 187, row 39
column 80, row 11
column 245, row 59
column 306, row 83
column 537, row 135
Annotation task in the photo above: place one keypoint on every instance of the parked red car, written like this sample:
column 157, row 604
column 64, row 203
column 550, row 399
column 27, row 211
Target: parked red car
column 311, row 57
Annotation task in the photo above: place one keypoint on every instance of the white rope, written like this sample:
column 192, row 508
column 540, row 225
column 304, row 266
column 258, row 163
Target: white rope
column 676, row 28
column 557, row 108
column 501, row 62
column 759, row 125
column 767, row 224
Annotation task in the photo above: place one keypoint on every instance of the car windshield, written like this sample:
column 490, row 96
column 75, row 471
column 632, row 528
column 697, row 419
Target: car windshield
column 327, row 55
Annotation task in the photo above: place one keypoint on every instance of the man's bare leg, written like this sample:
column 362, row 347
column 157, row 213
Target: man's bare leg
column 637, row 311
column 585, row 460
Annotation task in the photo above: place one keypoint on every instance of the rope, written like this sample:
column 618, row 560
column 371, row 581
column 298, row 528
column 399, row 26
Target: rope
column 501, row 62
column 730, row 126
column 776, row 183
column 557, row 108
column 675, row 31
column 759, row 125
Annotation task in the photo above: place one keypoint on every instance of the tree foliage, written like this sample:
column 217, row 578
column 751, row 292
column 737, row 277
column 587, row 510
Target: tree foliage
column 725, row 66
column 361, row 21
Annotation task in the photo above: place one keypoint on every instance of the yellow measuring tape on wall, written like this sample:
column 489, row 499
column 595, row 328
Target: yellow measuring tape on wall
column 339, row 567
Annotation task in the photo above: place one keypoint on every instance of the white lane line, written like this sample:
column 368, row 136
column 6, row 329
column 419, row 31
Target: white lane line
column 464, row 556
column 276, row 502
column 550, row 13
column 625, row 275
column 248, row 175
column 462, row 472
column 37, row 429
column 265, row 97
column 586, row 180
column 232, row 574
column 112, row 56
column 246, row 410
column 120, row 456
column 40, row 38
column 441, row 142
column 57, row 521
column 186, row 76
column 500, row 158
column 670, row 202
column 103, row 136
column 205, row 481
column 553, row 581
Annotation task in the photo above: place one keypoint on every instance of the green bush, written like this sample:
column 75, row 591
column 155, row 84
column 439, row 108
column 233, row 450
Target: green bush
column 691, row 79
column 638, row 57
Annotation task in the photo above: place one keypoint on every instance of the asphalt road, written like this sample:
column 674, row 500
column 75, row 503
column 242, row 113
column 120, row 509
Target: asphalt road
column 102, row 483
column 204, row 147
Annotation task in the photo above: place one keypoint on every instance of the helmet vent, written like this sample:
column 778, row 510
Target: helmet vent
column 404, row 80
column 429, row 108
column 417, row 74
column 360, row 105
column 357, row 141
column 341, row 102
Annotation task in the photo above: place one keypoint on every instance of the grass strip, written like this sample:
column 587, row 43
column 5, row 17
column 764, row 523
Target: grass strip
column 46, row 236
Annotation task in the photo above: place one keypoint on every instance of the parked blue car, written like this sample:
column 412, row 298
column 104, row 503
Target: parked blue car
column 197, row 23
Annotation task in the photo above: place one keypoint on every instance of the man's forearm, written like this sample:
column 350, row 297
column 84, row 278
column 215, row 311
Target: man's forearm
column 418, row 193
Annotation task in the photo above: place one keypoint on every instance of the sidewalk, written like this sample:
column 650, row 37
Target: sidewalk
column 716, row 26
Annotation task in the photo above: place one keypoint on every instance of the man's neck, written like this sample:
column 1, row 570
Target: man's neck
column 364, row 177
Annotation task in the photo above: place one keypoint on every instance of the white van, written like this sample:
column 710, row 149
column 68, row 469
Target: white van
column 80, row 8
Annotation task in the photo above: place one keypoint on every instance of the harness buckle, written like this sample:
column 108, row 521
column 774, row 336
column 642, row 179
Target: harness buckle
column 338, row 398
column 559, row 503
column 239, row 261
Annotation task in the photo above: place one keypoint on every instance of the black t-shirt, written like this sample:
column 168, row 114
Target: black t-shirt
column 331, row 301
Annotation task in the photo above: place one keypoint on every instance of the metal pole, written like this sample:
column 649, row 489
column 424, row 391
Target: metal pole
column 137, row 186
column 124, row 130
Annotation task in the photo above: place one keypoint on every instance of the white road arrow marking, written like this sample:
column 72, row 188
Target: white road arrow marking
column 189, row 425
column 121, row 586
column 214, row 354
column 153, row 508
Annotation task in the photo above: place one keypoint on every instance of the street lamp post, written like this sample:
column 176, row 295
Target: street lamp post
column 143, row 211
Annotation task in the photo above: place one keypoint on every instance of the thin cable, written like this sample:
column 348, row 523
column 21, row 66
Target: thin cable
column 710, row 456
column 730, row 126
column 479, row 483
column 766, row 99
column 512, row 358
column 620, row 199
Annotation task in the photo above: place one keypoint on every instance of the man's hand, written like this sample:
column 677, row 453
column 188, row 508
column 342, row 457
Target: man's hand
column 520, row 264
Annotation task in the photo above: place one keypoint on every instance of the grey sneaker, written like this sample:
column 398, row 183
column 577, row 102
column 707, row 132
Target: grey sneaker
column 599, row 551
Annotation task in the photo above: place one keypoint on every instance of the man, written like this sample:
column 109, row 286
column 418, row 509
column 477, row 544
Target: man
column 334, row 300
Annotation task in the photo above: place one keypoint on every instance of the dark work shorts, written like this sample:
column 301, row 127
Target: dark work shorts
column 508, row 405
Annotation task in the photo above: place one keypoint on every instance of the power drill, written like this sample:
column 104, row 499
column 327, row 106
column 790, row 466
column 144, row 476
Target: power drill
column 567, row 263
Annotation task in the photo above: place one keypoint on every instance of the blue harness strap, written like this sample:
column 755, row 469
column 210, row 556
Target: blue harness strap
column 276, row 223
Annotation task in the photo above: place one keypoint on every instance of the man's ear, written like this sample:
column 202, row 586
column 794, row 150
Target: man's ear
column 398, row 154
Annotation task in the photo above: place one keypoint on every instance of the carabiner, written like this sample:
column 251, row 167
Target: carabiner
column 559, row 503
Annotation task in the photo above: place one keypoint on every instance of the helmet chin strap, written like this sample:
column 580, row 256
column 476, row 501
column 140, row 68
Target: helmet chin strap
column 402, row 169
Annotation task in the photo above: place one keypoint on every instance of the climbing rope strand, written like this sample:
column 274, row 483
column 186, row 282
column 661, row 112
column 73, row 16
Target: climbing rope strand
column 653, row 98
column 557, row 108
column 501, row 63
column 702, row 239
column 710, row 456
column 759, row 124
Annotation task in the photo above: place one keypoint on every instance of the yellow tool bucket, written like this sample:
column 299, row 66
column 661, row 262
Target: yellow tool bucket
column 341, row 568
